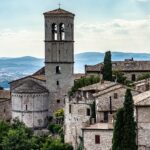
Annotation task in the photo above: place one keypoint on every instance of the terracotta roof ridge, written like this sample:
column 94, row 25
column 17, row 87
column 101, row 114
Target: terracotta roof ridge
column 58, row 11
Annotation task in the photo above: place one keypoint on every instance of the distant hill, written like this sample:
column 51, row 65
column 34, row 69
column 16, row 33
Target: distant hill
column 14, row 68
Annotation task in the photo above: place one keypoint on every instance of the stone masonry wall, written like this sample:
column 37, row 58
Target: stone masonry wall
column 105, row 139
column 32, row 109
column 75, row 121
column 5, row 109
column 143, row 121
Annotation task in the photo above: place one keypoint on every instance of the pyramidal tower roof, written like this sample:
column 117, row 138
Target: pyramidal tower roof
column 58, row 11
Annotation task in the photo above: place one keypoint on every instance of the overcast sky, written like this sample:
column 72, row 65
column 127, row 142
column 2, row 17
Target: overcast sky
column 100, row 25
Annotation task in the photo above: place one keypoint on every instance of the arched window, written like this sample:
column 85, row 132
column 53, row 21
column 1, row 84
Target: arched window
column 54, row 31
column 58, row 70
column 57, row 82
column 26, row 107
column 62, row 31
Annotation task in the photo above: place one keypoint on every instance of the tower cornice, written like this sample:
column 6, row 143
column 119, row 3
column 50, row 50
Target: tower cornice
column 58, row 41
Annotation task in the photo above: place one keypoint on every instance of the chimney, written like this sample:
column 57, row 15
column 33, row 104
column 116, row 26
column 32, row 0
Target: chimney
column 110, row 104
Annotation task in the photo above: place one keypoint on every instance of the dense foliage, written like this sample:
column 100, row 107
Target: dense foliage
column 85, row 81
column 59, row 113
column 124, row 136
column 129, row 138
column 118, row 131
column 107, row 69
column 120, row 78
column 17, row 136
column 144, row 76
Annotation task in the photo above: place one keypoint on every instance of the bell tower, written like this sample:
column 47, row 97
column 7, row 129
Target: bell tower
column 59, row 55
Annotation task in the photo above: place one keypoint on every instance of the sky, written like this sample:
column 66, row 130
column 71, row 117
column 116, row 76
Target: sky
column 100, row 25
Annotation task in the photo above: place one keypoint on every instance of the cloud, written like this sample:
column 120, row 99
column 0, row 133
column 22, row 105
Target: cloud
column 116, row 35
column 21, row 42
column 125, row 35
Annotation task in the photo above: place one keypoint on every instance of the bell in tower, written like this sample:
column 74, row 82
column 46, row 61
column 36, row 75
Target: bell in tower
column 59, row 55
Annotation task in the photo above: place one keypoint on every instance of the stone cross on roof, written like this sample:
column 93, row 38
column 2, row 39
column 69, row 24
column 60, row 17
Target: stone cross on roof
column 59, row 4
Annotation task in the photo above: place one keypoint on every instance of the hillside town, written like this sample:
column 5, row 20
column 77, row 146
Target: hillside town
column 88, row 102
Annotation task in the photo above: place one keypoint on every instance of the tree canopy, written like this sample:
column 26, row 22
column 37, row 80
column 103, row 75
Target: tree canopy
column 107, row 68
column 124, row 136
column 17, row 136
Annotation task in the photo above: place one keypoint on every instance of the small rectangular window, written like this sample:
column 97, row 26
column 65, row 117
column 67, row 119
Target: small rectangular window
column 57, row 83
column 88, row 112
column 106, row 116
column 115, row 95
column 97, row 139
column 58, row 101
column 70, row 109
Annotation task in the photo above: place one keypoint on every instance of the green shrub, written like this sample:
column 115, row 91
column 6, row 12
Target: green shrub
column 85, row 81
column 54, row 128
column 59, row 113
column 144, row 76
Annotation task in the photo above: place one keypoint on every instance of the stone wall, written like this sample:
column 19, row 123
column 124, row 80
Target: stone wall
column 143, row 85
column 75, row 119
column 5, row 109
column 105, row 139
column 32, row 109
column 143, row 122
column 127, row 74
column 103, row 102
column 137, row 74
column 59, row 53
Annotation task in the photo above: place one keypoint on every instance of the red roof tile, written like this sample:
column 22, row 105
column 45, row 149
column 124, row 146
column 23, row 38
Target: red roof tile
column 58, row 11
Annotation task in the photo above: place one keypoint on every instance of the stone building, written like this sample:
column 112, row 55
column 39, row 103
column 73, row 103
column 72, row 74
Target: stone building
column 38, row 96
column 77, row 116
column 108, row 98
column 59, row 55
column 98, row 136
column 132, row 69
column 30, row 101
column 142, row 110
column 142, row 85
column 5, row 105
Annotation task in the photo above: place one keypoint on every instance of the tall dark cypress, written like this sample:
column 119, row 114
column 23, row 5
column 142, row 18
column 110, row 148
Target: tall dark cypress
column 129, row 137
column 118, row 131
column 107, row 69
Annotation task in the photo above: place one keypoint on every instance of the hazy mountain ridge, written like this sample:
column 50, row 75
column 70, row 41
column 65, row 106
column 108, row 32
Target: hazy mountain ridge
column 14, row 68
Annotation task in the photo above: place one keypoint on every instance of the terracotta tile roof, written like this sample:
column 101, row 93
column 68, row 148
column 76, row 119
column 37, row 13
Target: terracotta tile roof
column 30, row 87
column 94, row 68
column 39, row 77
column 108, row 89
column 4, row 94
column 78, row 76
column 40, row 71
column 127, row 65
column 58, row 11
column 142, row 99
column 98, row 86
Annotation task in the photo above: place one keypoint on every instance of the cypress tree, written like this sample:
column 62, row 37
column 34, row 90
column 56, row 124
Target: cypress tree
column 107, row 69
column 129, row 137
column 118, row 131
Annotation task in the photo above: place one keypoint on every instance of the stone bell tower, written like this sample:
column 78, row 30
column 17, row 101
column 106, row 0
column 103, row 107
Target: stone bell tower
column 59, row 55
